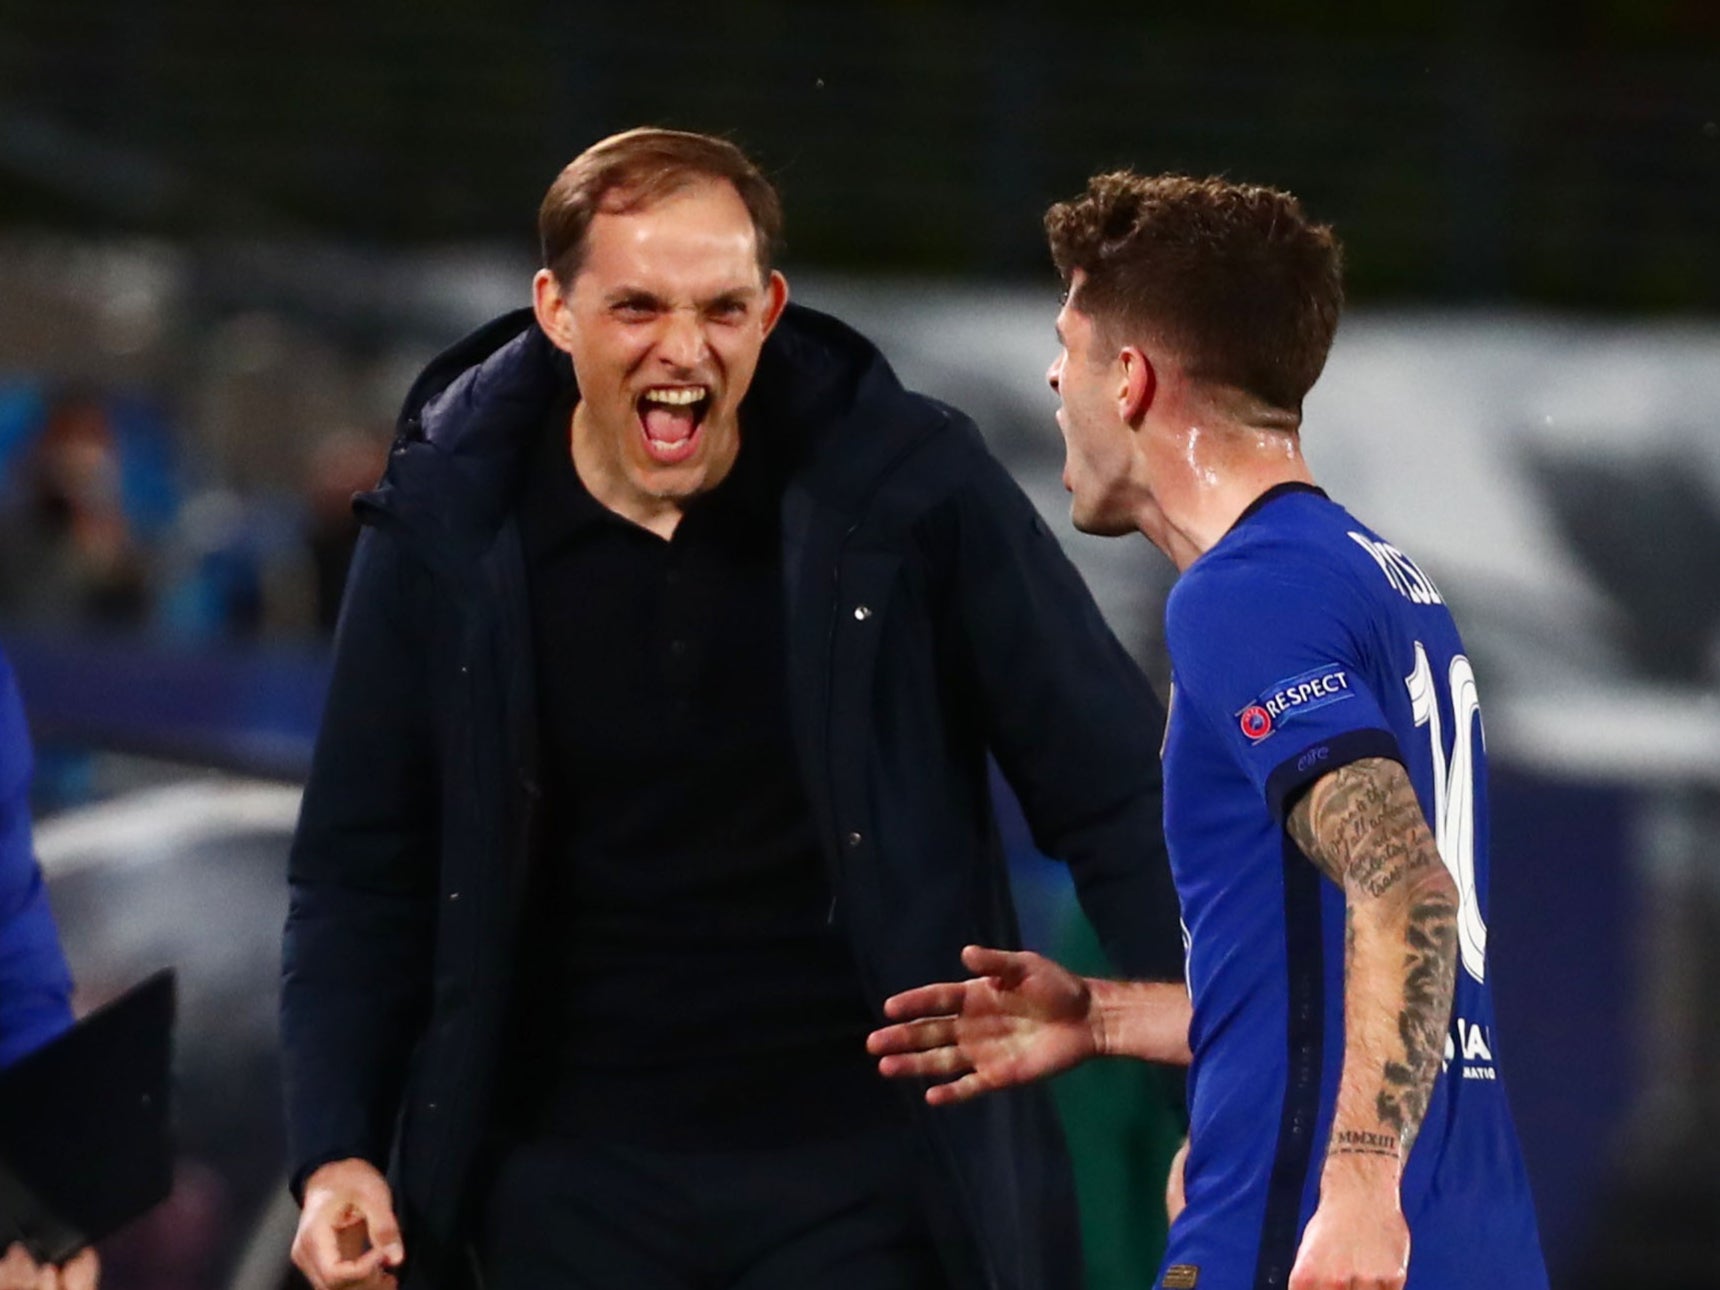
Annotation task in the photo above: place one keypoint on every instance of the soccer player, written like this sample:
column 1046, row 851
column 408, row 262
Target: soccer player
column 1325, row 789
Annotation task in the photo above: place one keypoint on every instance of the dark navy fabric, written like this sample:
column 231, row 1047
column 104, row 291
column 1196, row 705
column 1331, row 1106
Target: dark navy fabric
column 1301, row 642
column 836, row 1214
column 35, row 985
column 930, row 619
column 680, row 877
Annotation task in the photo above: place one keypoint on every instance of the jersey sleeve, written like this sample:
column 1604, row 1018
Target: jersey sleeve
column 35, row 987
column 1272, row 658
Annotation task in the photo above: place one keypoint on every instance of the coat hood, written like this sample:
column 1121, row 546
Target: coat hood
column 470, row 419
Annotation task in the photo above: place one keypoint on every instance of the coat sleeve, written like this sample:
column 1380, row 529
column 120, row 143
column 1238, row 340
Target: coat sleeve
column 357, row 950
column 1072, row 721
column 35, row 986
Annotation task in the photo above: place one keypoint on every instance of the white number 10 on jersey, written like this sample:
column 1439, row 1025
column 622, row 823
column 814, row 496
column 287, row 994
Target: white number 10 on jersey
column 1454, row 794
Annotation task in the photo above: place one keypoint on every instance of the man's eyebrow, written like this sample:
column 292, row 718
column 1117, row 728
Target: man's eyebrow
column 631, row 296
column 733, row 296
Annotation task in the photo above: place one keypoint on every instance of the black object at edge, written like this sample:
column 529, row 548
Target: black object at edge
column 84, row 1130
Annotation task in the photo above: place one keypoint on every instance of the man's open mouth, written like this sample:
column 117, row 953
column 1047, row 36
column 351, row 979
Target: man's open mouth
column 670, row 417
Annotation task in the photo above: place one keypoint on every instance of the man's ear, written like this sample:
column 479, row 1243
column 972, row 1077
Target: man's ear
column 1138, row 386
column 775, row 300
column 550, row 304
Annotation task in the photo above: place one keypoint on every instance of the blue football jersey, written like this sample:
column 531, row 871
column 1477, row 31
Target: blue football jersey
column 1300, row 642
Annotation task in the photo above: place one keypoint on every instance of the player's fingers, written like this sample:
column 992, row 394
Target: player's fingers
column 913, row 1036
column 1008, row 966
column 965, row 1089
column 940, row 1063
column 926, row 1001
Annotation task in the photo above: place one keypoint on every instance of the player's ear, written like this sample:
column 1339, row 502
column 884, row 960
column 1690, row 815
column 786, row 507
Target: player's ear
column 1137, row 386
column 775, row 299
column 550, row 304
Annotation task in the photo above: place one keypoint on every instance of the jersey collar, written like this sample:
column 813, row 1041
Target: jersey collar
column 1271, row 494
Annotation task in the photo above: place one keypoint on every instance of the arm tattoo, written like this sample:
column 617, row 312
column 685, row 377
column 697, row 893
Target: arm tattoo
column 1430, row 955
column 1362, row 827
column 1358, row 1142
column 1358, row 826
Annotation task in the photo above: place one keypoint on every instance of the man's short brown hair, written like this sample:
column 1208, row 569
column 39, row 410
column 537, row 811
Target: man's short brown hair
column 1233, row 277
column 637, row 168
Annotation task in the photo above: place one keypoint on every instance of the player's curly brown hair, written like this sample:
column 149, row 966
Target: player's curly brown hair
column 637, row 168
column 1233, row 277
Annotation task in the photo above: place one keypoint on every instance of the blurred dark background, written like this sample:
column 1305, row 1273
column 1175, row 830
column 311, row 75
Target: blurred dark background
column 229, row 236
column 1471, row 150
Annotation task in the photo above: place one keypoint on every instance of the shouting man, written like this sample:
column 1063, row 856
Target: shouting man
column 1325, row 789
column 655, row 758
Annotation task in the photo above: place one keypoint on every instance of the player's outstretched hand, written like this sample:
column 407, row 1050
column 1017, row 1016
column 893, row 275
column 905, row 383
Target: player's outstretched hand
column 1357, row 1240
column 348, row 1238
column 1020, row 1018
column 18, row 1271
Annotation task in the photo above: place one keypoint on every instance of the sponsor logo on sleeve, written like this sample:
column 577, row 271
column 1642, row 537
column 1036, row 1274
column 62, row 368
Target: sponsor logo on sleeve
column 1297, row 696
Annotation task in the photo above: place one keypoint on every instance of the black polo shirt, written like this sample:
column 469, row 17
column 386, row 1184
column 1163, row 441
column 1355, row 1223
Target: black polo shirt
column 697, row 991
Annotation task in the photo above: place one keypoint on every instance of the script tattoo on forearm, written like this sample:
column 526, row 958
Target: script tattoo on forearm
column 1358, row 826
column 1362, row 827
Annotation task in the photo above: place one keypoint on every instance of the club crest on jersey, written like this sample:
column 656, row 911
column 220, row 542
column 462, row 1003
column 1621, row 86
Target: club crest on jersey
column 1288, row 699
